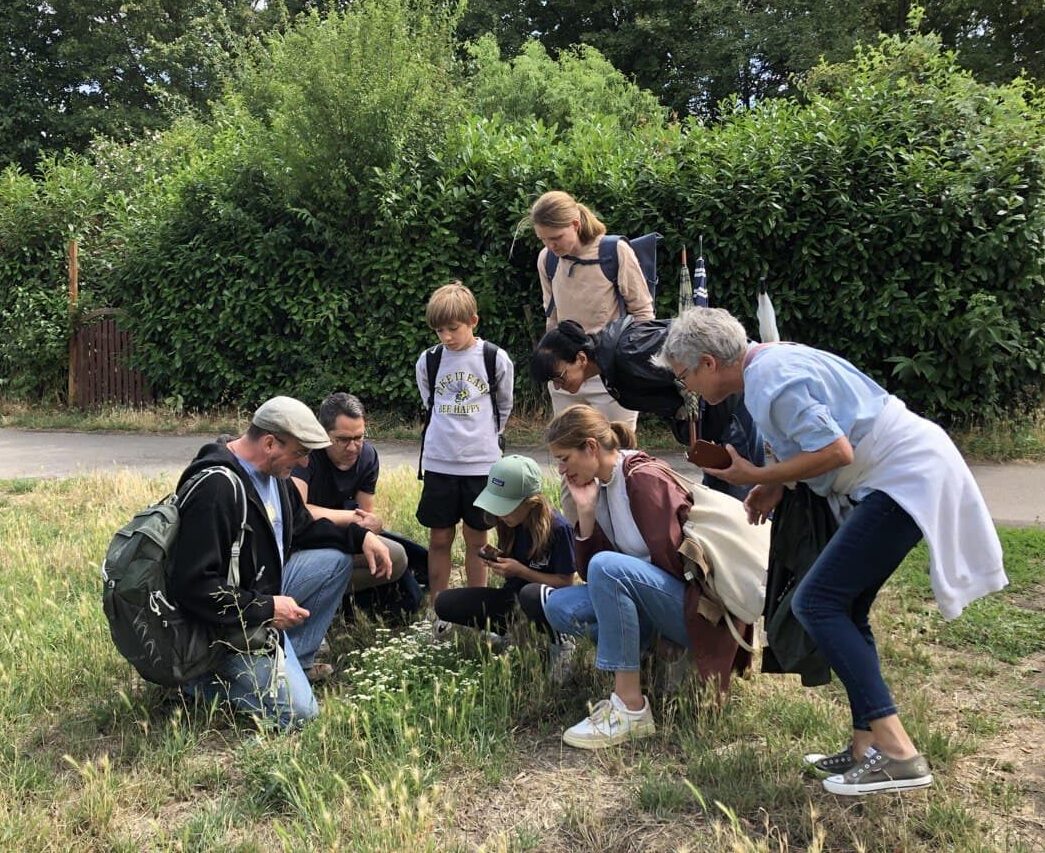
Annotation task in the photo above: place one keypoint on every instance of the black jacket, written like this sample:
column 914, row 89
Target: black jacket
column 623, row 350
column 210, row 524
column 803, row 524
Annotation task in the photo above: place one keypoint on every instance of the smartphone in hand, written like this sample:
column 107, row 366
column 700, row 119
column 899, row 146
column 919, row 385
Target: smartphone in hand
column 490, row 553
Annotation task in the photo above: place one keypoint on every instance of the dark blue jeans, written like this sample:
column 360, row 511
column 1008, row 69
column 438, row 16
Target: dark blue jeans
column 835, row 597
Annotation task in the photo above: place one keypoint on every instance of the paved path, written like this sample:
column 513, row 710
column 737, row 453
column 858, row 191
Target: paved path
column 1015, row 492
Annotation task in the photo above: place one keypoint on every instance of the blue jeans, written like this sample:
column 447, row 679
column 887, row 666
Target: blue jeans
column 243, row 680
column 316, row 580
column 625, row 603
column 834, row 599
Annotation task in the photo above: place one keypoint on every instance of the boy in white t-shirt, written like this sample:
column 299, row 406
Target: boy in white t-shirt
column 461, row 441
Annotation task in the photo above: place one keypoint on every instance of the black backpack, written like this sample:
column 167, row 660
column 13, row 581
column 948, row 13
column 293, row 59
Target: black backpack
column 150, row 630
column 433, row 357
column 645, row 248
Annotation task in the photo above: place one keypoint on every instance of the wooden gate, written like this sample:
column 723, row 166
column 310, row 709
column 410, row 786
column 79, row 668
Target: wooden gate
column 100, row 375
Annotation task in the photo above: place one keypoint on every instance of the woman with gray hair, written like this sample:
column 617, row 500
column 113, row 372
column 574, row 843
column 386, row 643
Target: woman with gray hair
column 892, row 477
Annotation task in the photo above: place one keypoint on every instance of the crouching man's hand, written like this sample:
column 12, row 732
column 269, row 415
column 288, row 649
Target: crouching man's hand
column 377, row 556
column 286, row 613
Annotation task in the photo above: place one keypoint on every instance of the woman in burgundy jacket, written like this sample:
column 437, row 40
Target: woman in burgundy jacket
column 630, row 516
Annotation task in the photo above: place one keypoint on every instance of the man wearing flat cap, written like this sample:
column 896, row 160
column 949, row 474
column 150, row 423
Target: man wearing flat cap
column 293, row 569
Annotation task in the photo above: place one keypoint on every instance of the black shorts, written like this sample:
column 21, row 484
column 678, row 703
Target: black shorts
column 449, row 498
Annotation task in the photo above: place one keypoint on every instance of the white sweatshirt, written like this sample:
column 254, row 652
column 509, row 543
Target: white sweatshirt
column 462, row 434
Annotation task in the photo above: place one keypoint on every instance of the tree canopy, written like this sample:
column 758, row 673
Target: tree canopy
column 694, row 56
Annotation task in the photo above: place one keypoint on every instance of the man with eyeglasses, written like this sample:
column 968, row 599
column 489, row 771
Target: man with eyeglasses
column 293, row 568
column 338, row 482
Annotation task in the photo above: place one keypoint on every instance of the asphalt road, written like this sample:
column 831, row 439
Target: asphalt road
column 1015, row 493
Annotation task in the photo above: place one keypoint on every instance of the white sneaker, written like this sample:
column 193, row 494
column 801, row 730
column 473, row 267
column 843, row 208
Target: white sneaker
column 609, row 724
column 560, row 661
column 498, row 643
column 441, row 629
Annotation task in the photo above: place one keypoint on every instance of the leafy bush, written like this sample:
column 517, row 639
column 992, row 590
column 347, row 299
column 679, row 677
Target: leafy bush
column 289, row 245
column 579, row 85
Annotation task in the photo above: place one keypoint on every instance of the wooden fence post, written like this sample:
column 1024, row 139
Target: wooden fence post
column 74, row 294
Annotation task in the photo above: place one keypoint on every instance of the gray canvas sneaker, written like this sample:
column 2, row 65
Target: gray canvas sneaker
column 877, row 772
column 833, row 765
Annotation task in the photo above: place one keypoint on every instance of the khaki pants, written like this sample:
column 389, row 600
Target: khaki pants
column 361, row 577
column 594, row 393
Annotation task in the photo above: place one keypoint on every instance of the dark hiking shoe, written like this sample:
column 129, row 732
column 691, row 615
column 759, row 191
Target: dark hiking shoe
column 877, row 772
column 319, row 672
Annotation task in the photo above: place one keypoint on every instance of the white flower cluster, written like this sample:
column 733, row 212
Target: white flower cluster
column 410, row 660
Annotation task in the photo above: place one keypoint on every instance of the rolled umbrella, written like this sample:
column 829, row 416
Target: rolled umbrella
column 699, row 298
column 685, row 285
column 700, row 279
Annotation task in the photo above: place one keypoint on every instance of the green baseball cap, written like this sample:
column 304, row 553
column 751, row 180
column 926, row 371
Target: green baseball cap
column 511, row 481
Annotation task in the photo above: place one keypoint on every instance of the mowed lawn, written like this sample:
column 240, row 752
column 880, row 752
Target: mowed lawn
column 450, row 748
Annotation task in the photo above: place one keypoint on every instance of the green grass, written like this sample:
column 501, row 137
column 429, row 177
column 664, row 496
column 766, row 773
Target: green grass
column 450, row 748
column 1007, row 627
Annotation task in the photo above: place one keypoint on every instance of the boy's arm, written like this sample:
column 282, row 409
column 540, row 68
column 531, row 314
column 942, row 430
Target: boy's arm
column 505, row 386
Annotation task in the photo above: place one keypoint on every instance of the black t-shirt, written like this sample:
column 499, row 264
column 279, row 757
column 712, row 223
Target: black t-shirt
column 558, row 560
column 332, row 488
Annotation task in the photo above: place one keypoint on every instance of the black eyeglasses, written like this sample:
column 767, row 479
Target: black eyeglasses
column 680, row 380
column 346, row 440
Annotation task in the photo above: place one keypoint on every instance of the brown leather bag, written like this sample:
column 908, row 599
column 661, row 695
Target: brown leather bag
column 705, row 454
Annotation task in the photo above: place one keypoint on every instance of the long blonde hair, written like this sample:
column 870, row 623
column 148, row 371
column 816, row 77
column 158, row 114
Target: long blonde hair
column 558, row 209
column 538, row 524
column 572, row 428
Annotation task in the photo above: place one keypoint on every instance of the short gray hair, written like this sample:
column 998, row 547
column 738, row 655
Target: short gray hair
column 700, row 331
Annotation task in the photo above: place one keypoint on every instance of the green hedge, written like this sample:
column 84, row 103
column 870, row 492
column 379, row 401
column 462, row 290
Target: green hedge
column 896, row 212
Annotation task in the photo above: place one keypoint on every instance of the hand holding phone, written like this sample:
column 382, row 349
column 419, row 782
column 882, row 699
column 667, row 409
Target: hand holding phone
column 490, row 553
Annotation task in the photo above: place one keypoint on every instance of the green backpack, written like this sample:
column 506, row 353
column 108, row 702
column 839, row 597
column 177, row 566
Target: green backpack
column 149, row 629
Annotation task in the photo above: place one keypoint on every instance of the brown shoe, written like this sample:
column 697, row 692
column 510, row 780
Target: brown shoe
column 319, row 672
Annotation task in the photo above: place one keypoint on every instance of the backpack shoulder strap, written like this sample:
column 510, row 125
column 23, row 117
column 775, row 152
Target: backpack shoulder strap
column 241, row 500
column 551, row 264
column 609, row 263
column 490, row 363
column 433, row 356
column 608, row 260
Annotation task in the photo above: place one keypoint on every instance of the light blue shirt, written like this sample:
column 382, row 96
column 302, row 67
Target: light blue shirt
column 804, row 399
column 268, row 491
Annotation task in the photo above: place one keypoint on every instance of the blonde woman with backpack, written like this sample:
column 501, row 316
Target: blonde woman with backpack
column 579, row 290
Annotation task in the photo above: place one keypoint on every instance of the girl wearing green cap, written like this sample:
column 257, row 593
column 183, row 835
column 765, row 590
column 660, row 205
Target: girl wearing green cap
column 535, row 547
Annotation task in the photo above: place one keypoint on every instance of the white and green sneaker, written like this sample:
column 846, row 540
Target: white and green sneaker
column 610, row 723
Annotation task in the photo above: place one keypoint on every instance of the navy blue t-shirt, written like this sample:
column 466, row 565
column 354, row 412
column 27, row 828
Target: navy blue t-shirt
column 558, row 560
column 332, row 488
